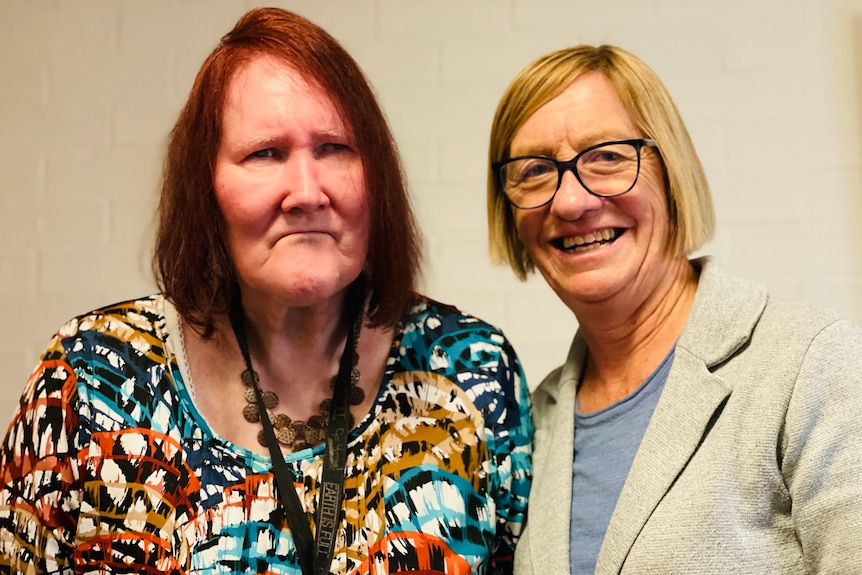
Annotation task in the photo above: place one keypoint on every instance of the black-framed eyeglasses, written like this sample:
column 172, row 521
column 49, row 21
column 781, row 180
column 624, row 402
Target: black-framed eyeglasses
column 606, row 170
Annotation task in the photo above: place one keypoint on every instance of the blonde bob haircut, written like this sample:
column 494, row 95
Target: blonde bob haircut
column 690, row 211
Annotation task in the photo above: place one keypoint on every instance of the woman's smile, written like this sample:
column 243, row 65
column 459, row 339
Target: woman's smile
column 590, row 241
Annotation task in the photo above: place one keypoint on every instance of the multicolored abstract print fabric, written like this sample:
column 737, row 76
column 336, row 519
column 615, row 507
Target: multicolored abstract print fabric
column 108, row 467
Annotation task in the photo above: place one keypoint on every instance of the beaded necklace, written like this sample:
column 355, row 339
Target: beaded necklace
column 295, row 433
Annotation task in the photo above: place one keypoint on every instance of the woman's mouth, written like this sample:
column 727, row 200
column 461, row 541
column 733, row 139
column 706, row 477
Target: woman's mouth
column 590, row 241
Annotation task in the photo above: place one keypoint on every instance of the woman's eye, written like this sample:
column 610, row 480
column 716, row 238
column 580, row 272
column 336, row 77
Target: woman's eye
column 602, row 156
column 531, row 170
column 332, row 148
column 537, row 169
column 609, row 154
column 265, row 153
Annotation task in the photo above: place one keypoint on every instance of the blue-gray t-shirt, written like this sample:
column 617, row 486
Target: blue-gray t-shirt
column 606, row 442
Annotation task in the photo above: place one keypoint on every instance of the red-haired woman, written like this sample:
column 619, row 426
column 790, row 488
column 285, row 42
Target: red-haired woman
column 287, row 403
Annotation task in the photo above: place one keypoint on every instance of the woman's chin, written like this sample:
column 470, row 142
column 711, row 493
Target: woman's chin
column 588, row 287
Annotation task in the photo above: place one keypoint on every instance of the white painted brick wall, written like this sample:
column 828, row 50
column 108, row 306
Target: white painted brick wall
column 771, row 91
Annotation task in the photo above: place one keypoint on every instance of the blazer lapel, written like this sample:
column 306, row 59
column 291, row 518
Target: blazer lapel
column 672, row 437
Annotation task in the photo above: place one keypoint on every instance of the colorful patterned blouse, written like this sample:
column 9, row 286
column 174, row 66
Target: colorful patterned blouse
column 108, row 467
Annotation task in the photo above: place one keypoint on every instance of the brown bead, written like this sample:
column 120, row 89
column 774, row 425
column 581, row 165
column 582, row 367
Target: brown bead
column 280, row 420
column 317, row 421
column 261, row 438
column 250, row 377
column 299, row 427
column 356, row 395
column 250, row 413
column 325, row 407
column 313, row 435
column 270, row 400
column 250, row 395
column 299, row 445
column 285, row 435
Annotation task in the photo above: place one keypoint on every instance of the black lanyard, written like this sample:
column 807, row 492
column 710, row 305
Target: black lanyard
column 315, row 554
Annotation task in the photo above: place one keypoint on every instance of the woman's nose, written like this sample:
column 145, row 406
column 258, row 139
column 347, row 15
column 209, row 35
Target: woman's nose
column 572, row 200
column 302, row 185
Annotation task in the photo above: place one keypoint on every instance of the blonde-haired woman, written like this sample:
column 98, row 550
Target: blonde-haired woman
column 696, row 426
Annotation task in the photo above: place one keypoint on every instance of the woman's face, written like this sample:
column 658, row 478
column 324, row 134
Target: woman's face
column 290, row 186
column 591, row 249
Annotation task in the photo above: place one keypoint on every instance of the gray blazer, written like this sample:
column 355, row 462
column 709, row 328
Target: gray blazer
column 752, row 462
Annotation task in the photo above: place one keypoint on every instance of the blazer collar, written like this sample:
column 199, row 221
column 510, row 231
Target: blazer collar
column 725, row 311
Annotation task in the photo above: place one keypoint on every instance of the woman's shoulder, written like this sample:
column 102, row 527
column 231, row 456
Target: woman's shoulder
column 435, row 336
column 796, row 332
column 441, row 346
column 144, row 313
column 135, row 327
column 108, row 355
column 441, row 317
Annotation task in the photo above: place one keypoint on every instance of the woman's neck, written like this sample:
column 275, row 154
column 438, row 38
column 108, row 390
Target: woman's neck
column 625, row 345
column 315, row 329
column 298, row 348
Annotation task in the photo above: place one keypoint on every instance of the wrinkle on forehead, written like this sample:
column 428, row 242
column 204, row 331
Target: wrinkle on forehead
column 587, row 112
column 285, row 79
column 285, row 91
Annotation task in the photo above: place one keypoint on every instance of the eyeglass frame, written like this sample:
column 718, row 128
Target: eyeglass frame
column 572, row 165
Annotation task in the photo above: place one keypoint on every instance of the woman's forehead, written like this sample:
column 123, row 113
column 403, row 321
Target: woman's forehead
column 586, row 112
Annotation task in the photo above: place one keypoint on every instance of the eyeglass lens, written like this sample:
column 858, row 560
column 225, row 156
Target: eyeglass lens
column 607, row 170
